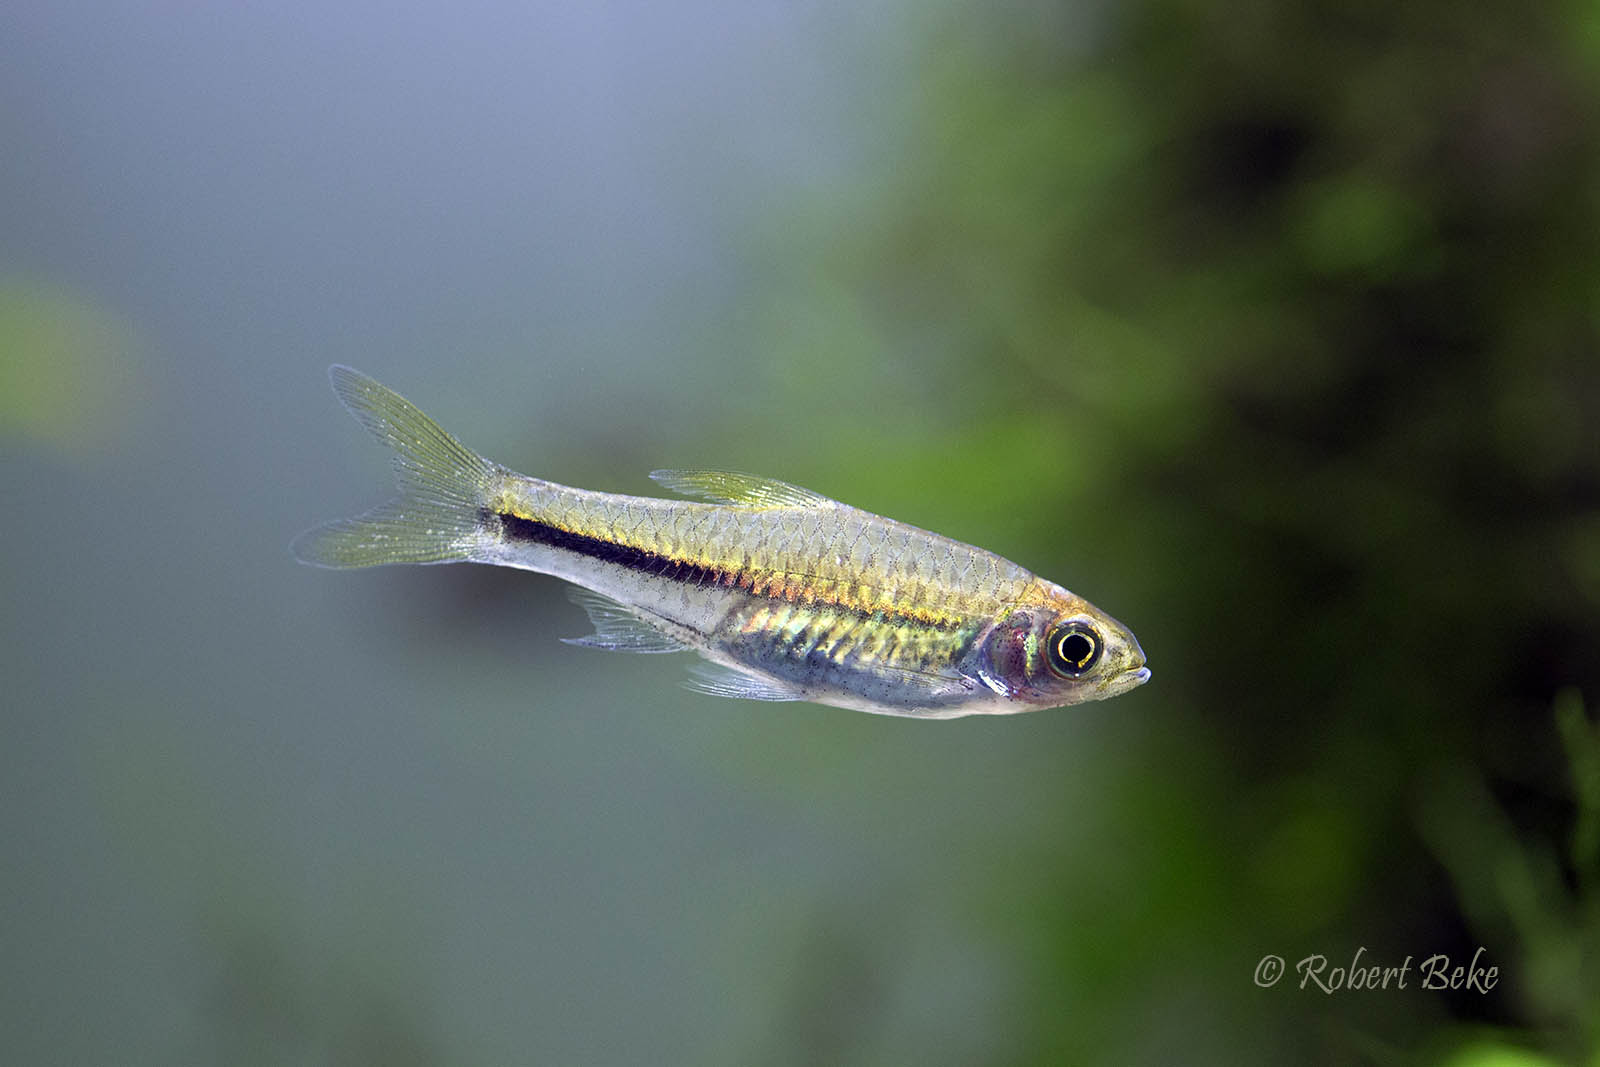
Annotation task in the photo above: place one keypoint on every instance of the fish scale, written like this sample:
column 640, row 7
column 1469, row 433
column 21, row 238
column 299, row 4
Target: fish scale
column 787, row 594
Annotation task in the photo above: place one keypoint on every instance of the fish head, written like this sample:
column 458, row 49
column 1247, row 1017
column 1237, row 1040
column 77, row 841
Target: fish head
column 1057, row 648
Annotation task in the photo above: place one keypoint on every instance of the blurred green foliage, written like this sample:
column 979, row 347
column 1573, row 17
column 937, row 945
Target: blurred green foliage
column 1283, row 322
column 66, row 376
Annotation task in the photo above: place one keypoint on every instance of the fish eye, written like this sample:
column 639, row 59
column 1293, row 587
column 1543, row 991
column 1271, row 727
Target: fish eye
column 1073, row 649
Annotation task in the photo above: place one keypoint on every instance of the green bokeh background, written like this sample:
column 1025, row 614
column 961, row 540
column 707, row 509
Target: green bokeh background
column 1273, row 329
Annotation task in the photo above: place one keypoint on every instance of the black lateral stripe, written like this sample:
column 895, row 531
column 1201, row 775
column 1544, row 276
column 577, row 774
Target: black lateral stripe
column 532, row 531
column 517, row 528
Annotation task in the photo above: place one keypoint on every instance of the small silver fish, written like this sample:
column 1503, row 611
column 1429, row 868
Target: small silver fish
column 789, row 595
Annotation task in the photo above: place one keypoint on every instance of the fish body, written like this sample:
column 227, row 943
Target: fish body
column 789, row 595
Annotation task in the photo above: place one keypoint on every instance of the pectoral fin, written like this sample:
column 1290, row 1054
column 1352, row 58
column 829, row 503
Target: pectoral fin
column 713, row 679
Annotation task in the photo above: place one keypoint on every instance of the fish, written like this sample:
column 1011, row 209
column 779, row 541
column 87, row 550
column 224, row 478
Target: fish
column 786, row 594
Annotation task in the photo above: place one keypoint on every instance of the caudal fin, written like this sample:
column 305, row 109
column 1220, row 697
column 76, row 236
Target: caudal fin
column 442, row 487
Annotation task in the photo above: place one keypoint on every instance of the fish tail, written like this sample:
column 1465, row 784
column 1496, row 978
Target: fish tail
column 443, row 486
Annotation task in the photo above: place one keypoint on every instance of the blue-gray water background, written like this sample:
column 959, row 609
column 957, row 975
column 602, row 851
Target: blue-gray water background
column 1271, row 331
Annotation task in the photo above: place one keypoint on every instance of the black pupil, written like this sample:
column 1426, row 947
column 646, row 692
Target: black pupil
column 1076, row 650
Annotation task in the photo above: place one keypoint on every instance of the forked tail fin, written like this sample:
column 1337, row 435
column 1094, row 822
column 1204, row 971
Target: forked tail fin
column 442, row 487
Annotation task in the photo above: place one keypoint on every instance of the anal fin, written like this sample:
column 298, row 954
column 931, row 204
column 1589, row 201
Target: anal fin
column 617, row 628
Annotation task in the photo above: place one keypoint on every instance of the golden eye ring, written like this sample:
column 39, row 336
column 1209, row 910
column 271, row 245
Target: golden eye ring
column 1072, row 650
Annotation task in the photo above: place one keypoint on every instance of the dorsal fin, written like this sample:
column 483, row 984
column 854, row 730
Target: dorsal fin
column 731, row 487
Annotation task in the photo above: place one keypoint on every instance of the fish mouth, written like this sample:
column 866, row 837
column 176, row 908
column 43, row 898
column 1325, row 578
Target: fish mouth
column 1128, row 679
